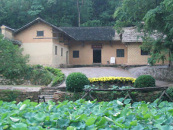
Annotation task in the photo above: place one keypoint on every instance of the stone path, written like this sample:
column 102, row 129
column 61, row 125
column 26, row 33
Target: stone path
column 92, row 72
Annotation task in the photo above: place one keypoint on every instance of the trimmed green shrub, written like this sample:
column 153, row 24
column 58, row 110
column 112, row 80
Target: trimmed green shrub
column 75, row 82
column 144, row 81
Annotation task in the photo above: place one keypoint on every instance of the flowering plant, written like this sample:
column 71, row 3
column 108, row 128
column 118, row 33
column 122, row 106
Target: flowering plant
column 113, row 79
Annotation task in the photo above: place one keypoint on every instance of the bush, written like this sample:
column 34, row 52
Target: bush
column 144, row 81
column 12, row 62
column 75, row 82
column 59, row 76
column 170, row 91
column 37, row 75
column 9, row 95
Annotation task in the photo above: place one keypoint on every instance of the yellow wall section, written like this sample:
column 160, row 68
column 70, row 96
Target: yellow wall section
column 29, row 35
column 108, row 50
column 58, row 59
column 40, row 53
column 134, row 55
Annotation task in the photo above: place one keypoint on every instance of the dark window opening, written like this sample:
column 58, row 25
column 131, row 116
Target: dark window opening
column 61, row 51
column 144, row 52
column 120, row 52
column 40, row 33
column 55, row 50
column 75, row 54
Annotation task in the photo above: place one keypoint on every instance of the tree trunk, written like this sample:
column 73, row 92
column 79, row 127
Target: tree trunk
column 78, row 9
column 170, row 58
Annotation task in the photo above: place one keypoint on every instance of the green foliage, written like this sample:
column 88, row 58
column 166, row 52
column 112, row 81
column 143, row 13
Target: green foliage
column 144, row 81
column 12, row 62
column 83, row 114
column 9, row 95
column 170, row 92
column 157, row 16
column 58, row 75
column 39, row 76
column 132, row 12
column 75, row 82
column 160, row 19
column 58, row 12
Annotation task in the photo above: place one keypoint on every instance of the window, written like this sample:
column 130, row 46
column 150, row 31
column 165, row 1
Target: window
column 144, row 52
column 75, row 54
column 61, row 51
column 55, row 50
column 40, row 33
column 120, row 52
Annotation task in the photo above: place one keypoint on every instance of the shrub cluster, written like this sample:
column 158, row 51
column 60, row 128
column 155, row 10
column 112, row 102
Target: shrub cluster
column 144, row 81
column 170, row 91
column 58, row 75
column 37, row 75
column 9, row 95
column 75, row 82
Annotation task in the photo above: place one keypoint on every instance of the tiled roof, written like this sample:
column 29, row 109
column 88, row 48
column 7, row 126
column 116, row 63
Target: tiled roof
column 89, row 33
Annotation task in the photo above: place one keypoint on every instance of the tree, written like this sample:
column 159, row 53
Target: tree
column 157, row 17
column 161, row 19
column 12, row 62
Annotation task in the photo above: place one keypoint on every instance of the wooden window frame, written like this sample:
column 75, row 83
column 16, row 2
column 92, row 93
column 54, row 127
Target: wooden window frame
column 76, row 54
column 56, row 50
column 40, row 33
column 144, row 53
column 61, row 51
column 120, row 52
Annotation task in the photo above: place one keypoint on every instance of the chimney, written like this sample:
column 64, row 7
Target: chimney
column 7, row 32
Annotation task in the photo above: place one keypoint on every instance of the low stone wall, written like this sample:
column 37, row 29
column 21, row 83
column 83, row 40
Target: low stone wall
column 107, row 96
column 163, row 73
column 16, row 95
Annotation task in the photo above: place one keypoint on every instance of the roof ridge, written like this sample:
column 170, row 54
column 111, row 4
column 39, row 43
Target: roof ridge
column 32, row 22
column 8, row 28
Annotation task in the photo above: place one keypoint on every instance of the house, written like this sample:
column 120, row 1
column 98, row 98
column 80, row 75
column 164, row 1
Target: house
column 52, row 46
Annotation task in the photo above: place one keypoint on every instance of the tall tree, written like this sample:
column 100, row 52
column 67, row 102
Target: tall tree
column 160, row 19
column 157, row 17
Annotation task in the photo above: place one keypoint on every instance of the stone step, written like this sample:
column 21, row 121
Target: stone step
column 46, row 96
column 50, row 88
column 47, row 93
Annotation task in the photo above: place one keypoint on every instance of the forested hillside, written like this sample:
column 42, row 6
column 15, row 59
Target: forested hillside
column 15, row 13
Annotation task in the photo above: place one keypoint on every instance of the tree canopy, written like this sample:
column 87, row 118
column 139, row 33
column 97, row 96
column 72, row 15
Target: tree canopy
column 12, row 62
column 16, row 13
column 153, row 17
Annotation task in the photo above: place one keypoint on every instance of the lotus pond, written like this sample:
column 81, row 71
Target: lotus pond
column 86, row 115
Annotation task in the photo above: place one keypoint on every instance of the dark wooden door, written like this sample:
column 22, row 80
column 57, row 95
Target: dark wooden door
column 96, row 55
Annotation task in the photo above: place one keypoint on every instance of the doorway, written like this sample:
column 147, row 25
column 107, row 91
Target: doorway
column 96, row 55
